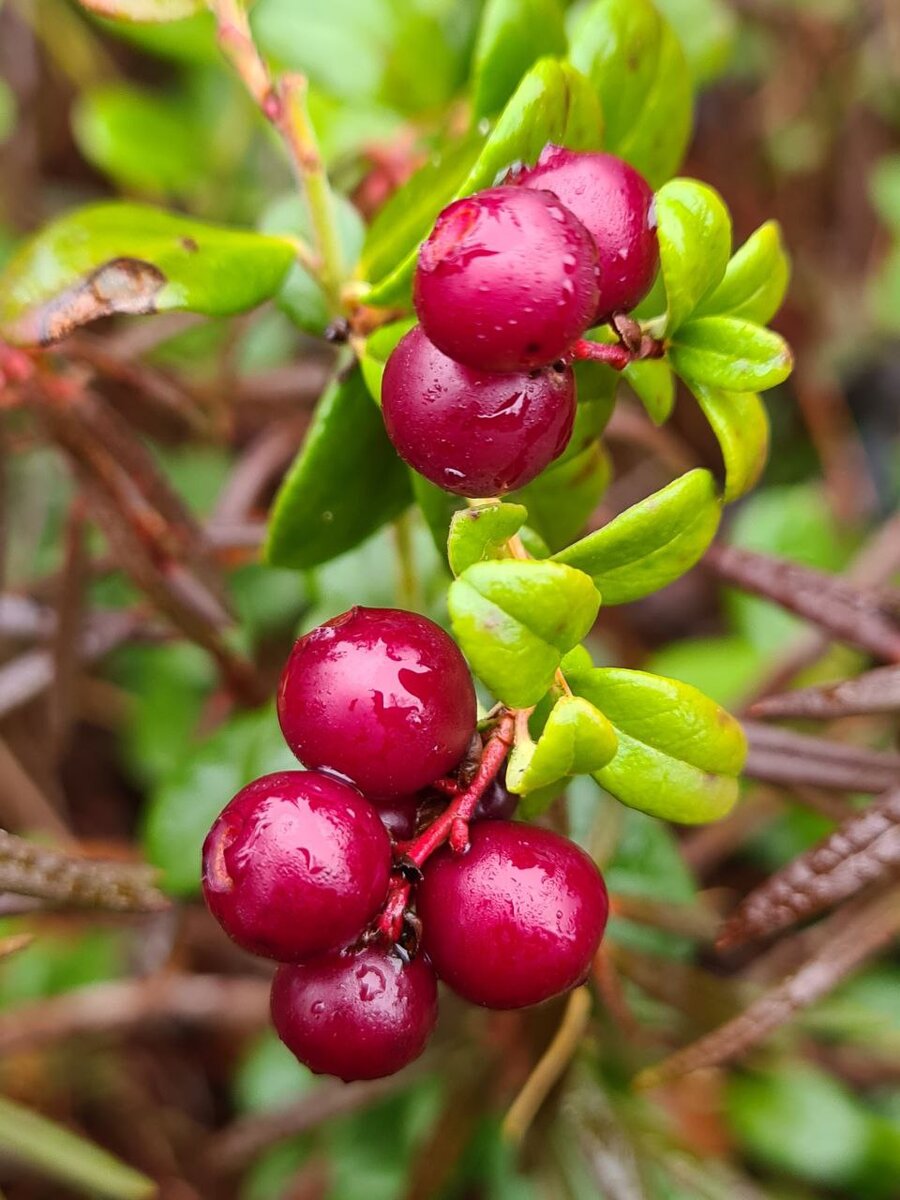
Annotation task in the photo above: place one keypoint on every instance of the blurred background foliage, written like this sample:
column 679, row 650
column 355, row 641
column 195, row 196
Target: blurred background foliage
column 797, row 118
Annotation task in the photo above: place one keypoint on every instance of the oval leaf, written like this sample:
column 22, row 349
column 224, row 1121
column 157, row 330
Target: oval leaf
column 654, row 385
column 679, row 753
column 741, row 425
column 553, row 103
column 694, row 245
column 634, row 60
column 128, row 258
column 562, row 498
column 379, row 346
column 143, row 10
column 513, row 34
column 652, row 543
column 726, row 352
column 755, row 279
column 345, row 483
column 515, row 620
column 576, row 740
column 477, row 534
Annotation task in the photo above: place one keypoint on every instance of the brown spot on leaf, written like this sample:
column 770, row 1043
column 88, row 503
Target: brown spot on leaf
column 122, row 285
column 190, row 245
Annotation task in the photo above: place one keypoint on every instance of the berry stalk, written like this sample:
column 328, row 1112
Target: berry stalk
column 451, row 826
column 616, row 355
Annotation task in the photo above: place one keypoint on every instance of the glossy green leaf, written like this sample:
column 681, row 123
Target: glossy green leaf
column 300, row 296
column 128, row 258
column 477, row 534
column 679, row 753
column 553, row 103
column 576, row 740
column 143, row 10
column 635, row 61
column 652, row 543
column 345, row 483
column 184, row 804
column 408, row 215
column 755, row 279
column 379, row 345
column 51, row 1150
column 741, row 425
column 694, row 245
column 562, row 498
column 513, row 34
column 145, row 142
column 654, row 385
column 729, row 353
column 515, row 620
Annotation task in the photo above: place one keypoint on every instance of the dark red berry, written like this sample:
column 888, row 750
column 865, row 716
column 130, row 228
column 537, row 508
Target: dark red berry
column 470, row 432
column 514, row 921
column 507, row 280
column 398, row 816
column 296, row 864
column 357, row 1015
column 381, row 696
column 615, row 203
column 497, row 803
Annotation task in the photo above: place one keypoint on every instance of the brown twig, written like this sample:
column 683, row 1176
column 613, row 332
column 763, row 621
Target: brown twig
column 784, row 757
column 873, row 692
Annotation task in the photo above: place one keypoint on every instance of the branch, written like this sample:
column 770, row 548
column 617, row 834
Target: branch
column 871, row 693
column 784, row 757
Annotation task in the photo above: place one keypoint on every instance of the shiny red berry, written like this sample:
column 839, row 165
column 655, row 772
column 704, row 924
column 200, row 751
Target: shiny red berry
column 507, row 280
column 381, row 696
column 497, row 803
column 296, row 864
column 398, row 816
column 357, row 1015
column 470, row 432
column 615, row 204
column 514, row 921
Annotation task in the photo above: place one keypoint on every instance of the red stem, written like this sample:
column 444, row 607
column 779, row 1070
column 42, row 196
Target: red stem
column 616, row 355
column 452, row 825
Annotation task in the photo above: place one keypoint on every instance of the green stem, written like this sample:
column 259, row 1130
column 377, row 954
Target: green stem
column 407, row 586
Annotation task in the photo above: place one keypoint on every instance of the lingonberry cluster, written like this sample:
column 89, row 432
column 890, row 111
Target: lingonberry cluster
column 361, row 875
column 480, row 396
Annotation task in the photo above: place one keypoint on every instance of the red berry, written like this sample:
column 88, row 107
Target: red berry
column 497, row 803
column 517, row 919
column 398, row 816
column 296, row 864
column 381, row 696
column 470, row 432
column 615, row 203
column 507, row 280
column 357, row 1015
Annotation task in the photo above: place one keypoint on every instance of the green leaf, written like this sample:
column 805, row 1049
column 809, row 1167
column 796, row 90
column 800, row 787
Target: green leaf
column 515, row 620
column 633, row 58
column 345, row 483
column 755, row 279
column 56, row 1153
column 477, row 534
column 706, row 30
column 301, row 297
column 725, row 668
column 145, row 142
column 128, row 258
column 437, row 507
column 143, row 10
column 730, row 353
column 379, row 345
column 576, row 740
column 741, row 425
column 562, row 498
column 553, row 103
column 406, row 219
column 694, row 245
column 652, row 543
column 513, row 34
column 679, row 753
column 654, row 385
column 184, row 805
column 884, row 186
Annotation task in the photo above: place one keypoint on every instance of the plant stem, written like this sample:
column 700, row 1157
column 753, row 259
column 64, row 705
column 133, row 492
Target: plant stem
column 616, row 355
column 451, row 826
column 283, row 103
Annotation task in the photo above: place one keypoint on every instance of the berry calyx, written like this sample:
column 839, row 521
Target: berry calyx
column 358, row 1014
column 382, row 697
column 295, row 865
column 514, row 921
column 615, row 204
column 506, row 280
column 468, row 431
